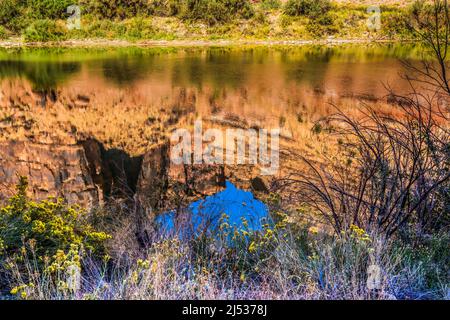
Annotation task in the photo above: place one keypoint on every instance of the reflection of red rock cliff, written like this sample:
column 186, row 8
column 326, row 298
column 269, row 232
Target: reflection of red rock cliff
column 85, row 174
column 53, row 170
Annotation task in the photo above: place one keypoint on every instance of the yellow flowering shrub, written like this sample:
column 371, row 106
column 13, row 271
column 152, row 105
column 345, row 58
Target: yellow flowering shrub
column 359, row 234
column 22, row 291
column 51, row 226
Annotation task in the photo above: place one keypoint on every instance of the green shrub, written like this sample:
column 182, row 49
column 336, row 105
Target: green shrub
column 17, row 15
column 260, row 17
column 48, row 9
column 48, row 226
column 420, row 16
column 165, row 8
column 270, row 4
column 44, row 30
column 116, row 9
column 395, row 24
column 42, row 245
column 310, row 8
column 138, row 28
column 9, row 9
column 324, row 25
column 216, row 11
column 3, row 33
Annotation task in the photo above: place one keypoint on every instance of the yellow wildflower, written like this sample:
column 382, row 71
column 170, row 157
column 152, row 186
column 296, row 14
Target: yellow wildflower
column 143, row 264
column 154, row 267
column 38, row 226
column 314, row 230
column 252, row 247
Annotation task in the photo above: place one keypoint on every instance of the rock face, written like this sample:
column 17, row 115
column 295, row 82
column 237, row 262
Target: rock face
column 53, row 170
column 86, row 174
column 79, row 143
column 153, row 181
column 163, row 185
column 259, row 185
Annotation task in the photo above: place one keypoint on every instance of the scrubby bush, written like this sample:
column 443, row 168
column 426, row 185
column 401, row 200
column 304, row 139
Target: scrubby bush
column 165, row 8
column 48, row 9
column 396, row 24
column 17, row 15
column 215, row 11
column 270, row 4
column 422, row 11
column 310, row 8
column 211, row 11
column 134, row 29
column 3, row 33
column 324, row 25
column 13, row 15
column 48, row 225
column 116, row 9
column 42, row 245
column 432, row 254
column 9, row 9
column 44, row 30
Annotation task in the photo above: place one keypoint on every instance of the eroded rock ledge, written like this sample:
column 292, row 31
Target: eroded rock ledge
column 87, row 174
column 53, row 170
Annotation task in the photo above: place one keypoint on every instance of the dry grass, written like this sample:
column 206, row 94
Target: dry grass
column 283, row 265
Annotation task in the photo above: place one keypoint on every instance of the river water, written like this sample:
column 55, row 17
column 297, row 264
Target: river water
column 127, row 98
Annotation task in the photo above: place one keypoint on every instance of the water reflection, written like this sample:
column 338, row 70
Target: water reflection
column 42, row 75
column 109, row 94
column 235, row 208
column 231, row 67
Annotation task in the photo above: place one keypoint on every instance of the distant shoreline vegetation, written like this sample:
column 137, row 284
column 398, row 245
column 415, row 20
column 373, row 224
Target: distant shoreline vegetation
column 134, row 20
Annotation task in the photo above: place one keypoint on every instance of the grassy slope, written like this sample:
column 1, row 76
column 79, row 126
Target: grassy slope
column 344, row 21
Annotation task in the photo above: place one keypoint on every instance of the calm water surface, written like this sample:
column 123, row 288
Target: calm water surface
column 337, row 71
column 274, row 85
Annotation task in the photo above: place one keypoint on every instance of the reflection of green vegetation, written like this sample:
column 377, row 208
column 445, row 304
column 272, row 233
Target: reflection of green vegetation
column 219, row 67
column 215, row 67
column 125, row 70
column 43, row 75
column 48, row 67
column 76, row 54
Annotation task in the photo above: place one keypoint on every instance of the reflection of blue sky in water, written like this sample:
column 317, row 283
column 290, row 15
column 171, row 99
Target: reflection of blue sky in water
column 205, row 215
